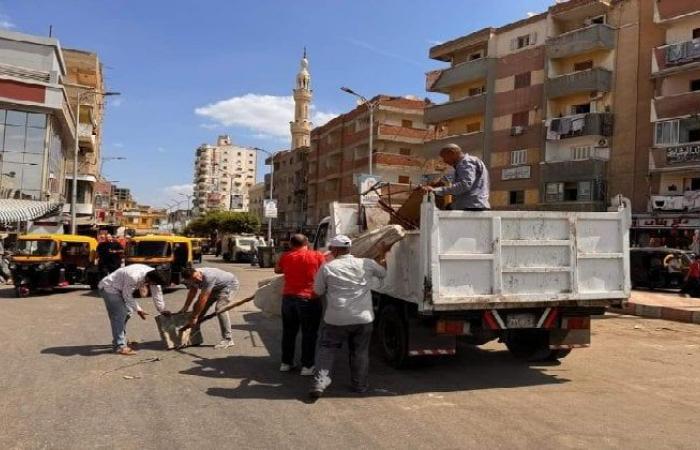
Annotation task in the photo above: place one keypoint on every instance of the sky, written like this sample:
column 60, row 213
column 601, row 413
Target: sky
column 189, row 71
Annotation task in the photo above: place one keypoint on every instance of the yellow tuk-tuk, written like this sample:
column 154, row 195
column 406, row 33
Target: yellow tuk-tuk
column 44, row 261
column 169, row 254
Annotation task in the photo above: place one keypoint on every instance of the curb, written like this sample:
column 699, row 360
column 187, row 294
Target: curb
column 658, row 312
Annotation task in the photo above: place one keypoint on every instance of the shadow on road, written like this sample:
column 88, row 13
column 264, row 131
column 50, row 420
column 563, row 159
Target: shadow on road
column 97, row 350
column 472, row 369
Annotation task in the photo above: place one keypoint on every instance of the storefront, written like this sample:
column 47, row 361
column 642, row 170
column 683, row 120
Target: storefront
column 674, row 230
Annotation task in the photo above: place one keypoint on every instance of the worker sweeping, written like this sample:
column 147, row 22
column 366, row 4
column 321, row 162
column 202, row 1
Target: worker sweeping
column 117, row 291
column 216, row 288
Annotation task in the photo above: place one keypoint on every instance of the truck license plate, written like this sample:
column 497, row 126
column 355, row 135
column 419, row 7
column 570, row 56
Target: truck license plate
column 520, row 321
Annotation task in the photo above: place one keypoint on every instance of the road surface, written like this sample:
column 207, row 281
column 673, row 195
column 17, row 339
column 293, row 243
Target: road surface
column 638, row 386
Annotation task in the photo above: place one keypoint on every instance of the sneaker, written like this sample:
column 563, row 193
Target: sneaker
column 315, row 393
column 225, row 343
column 285, row 367
column 307, row 371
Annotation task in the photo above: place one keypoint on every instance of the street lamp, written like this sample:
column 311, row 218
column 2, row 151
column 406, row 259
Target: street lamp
column 371, row 106
column 74, row 185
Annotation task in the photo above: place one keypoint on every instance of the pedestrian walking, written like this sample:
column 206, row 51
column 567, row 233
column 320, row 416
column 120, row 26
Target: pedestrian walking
column 216, row 288
column 117, row 291
column 109, row 254
column 345, row 281
column 691, row 288
column 695, row 243
column 301, row 308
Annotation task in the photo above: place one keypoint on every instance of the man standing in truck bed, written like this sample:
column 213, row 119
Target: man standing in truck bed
column 470, row 187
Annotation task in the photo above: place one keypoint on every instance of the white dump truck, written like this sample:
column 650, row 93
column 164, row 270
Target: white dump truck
column 531, row 279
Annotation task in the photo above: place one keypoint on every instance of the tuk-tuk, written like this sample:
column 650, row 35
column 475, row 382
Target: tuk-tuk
column 45, row 261
column 658, row 267
column 207, row 247
column 169, row 254
column 197, row 250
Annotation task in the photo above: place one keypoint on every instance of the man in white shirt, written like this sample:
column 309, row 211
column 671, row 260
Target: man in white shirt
column 117, row 291
column 345, row 282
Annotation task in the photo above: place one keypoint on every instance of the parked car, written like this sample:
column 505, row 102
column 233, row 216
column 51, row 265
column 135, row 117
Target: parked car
column 237, row 248
column 658, row 267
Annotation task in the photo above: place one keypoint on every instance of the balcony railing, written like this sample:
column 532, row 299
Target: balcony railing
column 677, row 105
column 673, row 56
column 583, row 40
column 560, row 171
column 459, row 108
column 86, row 136
column 591, row 124
column 591, row 80
column 687, row 201
column 442, row 80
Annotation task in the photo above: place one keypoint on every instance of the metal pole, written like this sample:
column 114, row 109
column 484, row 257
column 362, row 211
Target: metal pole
column 272, row 180
column 74, row 184
column 371, row 135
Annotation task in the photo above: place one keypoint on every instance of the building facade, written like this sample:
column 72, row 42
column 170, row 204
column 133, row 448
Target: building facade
column 223, row 174
column 256, row 196
column 36, row 122
column 84, row 74
column 340, row 148
column 549, row 104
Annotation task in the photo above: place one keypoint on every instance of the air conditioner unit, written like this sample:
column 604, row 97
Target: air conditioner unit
column 603, row 143
column 517, row 130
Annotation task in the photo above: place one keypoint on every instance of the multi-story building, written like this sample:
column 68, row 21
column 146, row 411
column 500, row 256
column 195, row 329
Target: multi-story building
column 36, row 122
column 256, row 195
column 554, row 104
column 340, row 148
column 674, row 155
column 84, row 75
column 144, row 219
column 223, row 173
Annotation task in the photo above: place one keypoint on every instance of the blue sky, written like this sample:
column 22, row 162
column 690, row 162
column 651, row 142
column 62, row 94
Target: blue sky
column 189, row 71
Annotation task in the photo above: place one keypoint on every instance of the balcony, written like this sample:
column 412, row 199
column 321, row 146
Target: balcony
column 587, row 169
column 677, row 157
column 674, row 58
column 472, row 143
column 82, row 209
column 442, row 80
column 86, row 136
column 452, row 110
column 678, row 105
column 592, row 80
column 591, row 124
column 674, row 9
column 583, row 40
column 401, row 134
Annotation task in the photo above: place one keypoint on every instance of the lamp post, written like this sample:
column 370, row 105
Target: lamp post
column 371, row 106
column 272, row 180
column 74, row 184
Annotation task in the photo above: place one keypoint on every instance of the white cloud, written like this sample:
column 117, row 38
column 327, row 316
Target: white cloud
column 118, row 145
column 6, row 22
column 530, row 13
column 209, row 126
column 176, row 189
column 264, row 115
column 380, row 51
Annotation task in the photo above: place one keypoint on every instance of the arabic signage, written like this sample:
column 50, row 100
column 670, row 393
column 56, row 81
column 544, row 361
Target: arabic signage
column 682, row 154
column 515, row 173
column 270, row 208
column 666, row 222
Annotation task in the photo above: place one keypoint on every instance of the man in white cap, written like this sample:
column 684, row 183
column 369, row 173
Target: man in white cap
column 470, row 187
column 345, row 282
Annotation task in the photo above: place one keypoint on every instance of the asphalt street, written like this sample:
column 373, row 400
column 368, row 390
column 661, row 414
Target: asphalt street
column 637, row 386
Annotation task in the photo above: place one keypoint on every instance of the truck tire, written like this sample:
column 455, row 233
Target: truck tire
column 528, row 344
column 393, row 336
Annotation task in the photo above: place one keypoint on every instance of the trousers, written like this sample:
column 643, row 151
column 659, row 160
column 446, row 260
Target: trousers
column 300, row 313
column 331, row 340
column 220, row 299
column 118, row 316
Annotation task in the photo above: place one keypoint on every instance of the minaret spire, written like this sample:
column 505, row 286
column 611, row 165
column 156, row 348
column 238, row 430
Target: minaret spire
column 301, row 127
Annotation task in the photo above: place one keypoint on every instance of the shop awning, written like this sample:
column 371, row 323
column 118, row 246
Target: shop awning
column 13, row 211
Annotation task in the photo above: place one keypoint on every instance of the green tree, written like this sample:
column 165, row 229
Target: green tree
column 225, row 222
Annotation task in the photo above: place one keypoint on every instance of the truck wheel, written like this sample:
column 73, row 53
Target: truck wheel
column 393, row 335
column 557, row 354
column 528, row 344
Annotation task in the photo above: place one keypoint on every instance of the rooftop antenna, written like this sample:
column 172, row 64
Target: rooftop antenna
column 50, row 30
column 305, row 51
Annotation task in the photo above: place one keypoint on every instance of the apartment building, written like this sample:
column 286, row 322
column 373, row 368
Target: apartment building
column 256, row 196
column 84, row 74
column 554, row 103
column 36, row 122
column 290, row 187
column 223, row 174
column 340, row 148
column 674, row 154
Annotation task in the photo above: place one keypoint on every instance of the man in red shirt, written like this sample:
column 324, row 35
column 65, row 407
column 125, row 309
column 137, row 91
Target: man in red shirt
column 300, row 306
column 692, row 279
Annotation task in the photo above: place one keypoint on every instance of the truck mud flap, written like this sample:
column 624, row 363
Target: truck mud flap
column 562, row 339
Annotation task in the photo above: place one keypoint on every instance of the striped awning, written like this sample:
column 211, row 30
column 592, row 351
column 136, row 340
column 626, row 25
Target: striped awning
column 14, row 211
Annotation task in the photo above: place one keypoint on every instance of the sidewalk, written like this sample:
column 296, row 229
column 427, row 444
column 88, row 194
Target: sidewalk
column 662, row 305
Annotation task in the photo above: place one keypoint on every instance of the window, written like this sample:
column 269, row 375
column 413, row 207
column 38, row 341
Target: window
column 22, row 155
column 522, row 41
column 476, row 55
column 570, row 191
column 696, row 33
column 520, row 119
column 476, row 91
column 554, row 192
column 581, row 152
column 405, row 151
column 584, row 192
column 583, row 65
column 666, row 132
column 598, row 19
column 407, row 123
column 695, row 85
column 239, row 153
column 522, row 80
column 473, row 127
column 583, row 108
column 516, row 198
column 518, row 157
column 404, row 179
column 694, row 184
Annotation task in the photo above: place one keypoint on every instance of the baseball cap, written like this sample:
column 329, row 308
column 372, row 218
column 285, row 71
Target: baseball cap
column 341, row 241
